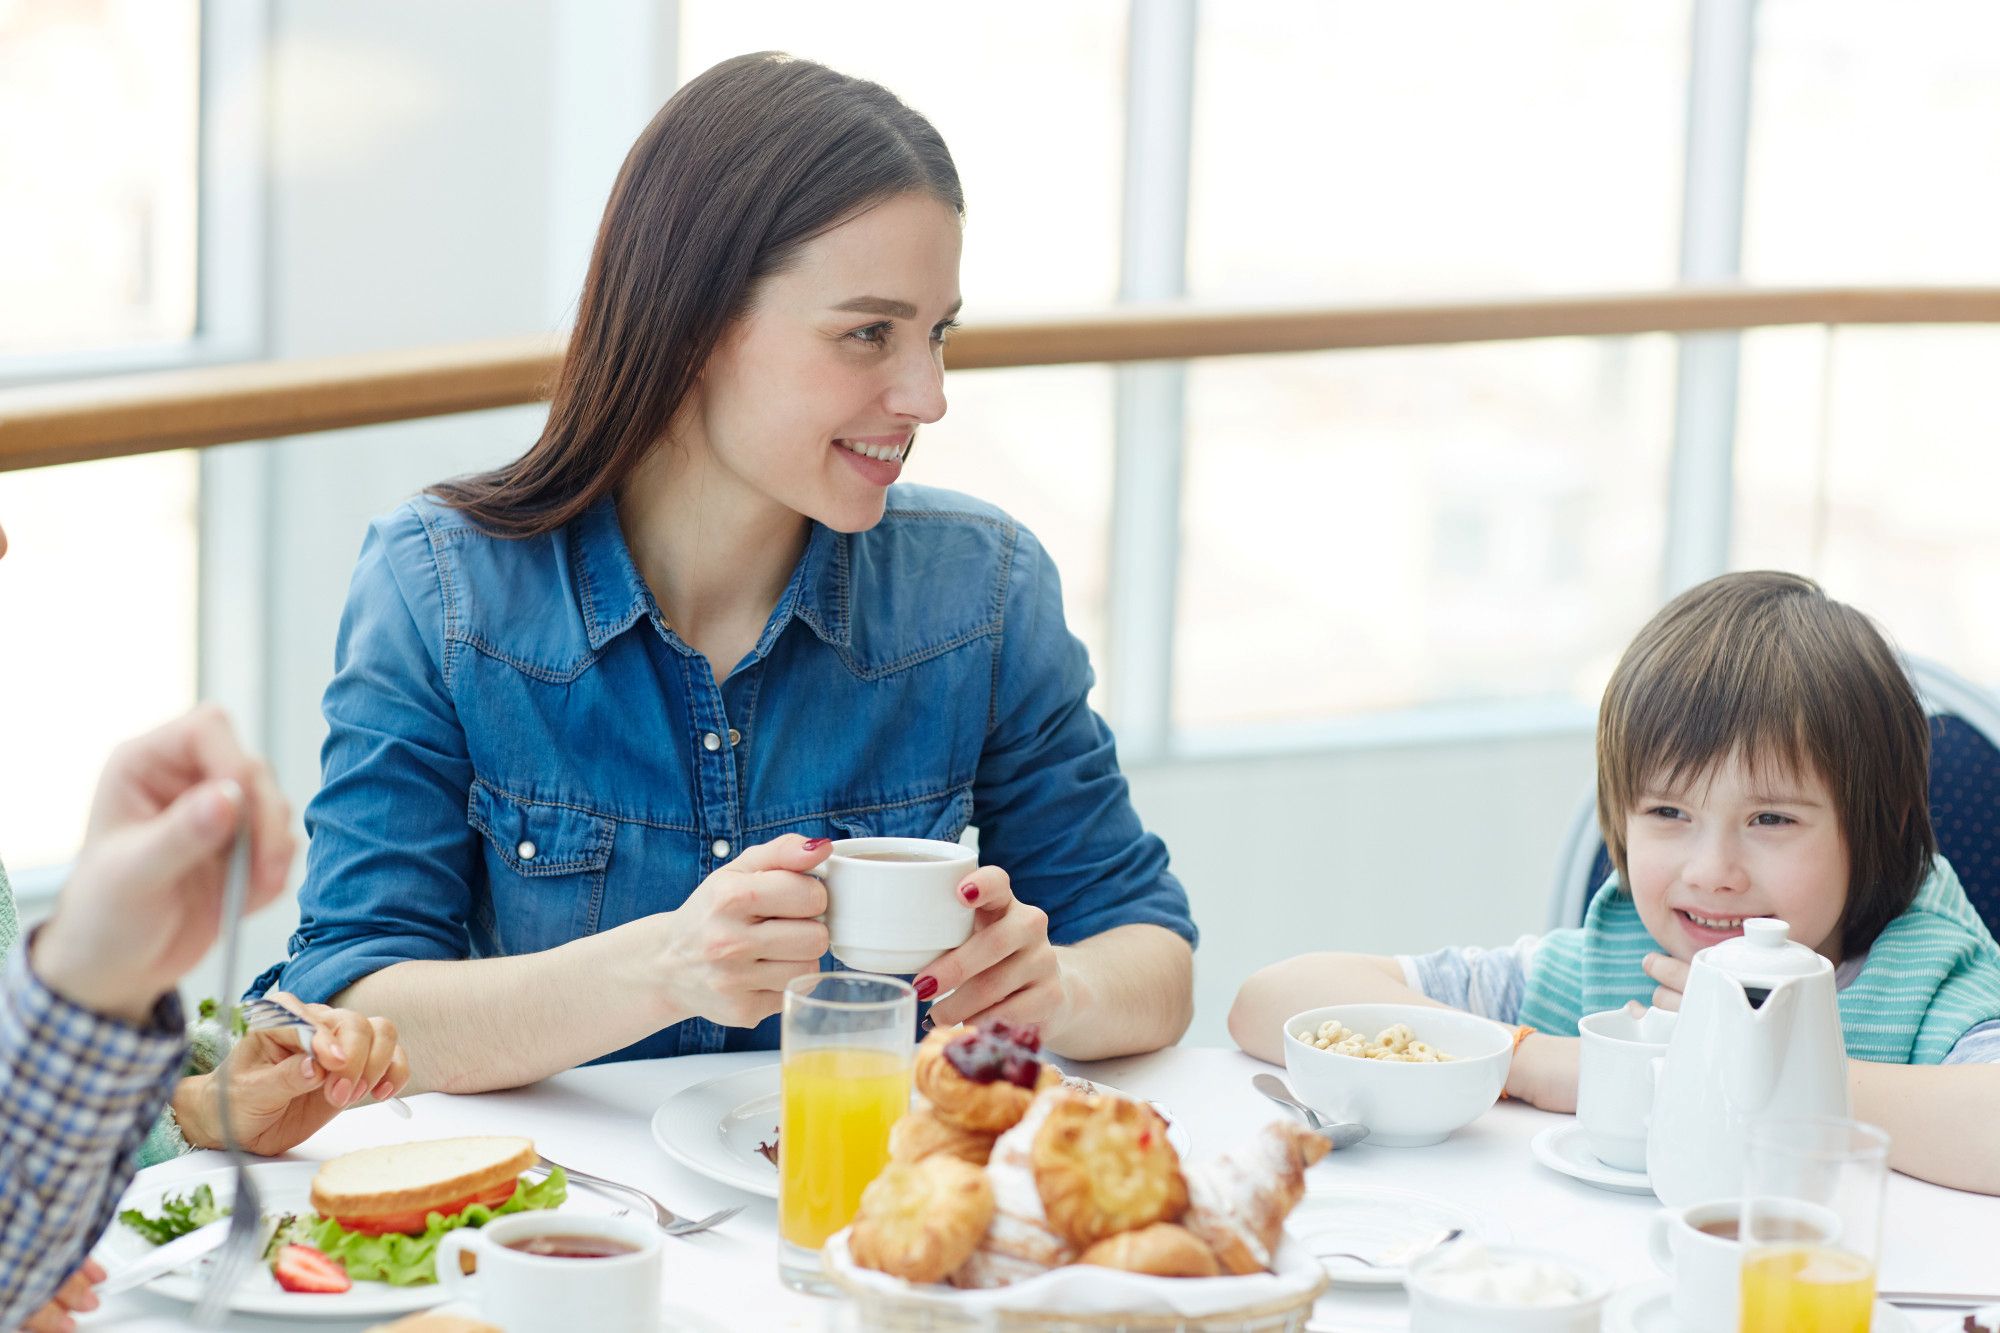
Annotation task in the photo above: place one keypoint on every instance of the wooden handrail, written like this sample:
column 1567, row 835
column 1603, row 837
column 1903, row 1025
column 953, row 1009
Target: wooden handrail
column 136, row 414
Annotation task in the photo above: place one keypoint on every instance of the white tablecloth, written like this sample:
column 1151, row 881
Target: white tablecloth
column 598, row 1120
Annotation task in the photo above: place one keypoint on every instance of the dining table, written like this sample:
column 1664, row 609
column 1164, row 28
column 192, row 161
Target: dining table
column 598, row 1119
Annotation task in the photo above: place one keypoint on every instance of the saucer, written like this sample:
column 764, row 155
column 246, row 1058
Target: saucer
column 1561, row 1148
column 1649, row 1308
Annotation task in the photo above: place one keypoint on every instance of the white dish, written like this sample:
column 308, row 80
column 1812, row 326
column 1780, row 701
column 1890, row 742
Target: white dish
column 1403, row 1105
column 713, row 1128
column 286, row 1187
column 1562, row 1148
column 1372, row 1221
column 1649, row 1308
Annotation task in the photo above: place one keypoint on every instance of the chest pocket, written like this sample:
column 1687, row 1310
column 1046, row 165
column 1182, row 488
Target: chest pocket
column 943, row 817
column 545, row 868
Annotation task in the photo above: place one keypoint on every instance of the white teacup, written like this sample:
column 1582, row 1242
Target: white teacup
column 1614, row 1086
column 541, row 1293
column 892, row 904
column 1698, row 1246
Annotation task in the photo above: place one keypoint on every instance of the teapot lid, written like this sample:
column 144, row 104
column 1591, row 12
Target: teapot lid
column 1763, row 952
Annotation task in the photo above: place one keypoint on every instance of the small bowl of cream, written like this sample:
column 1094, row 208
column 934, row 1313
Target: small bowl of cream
column 1474, row 1288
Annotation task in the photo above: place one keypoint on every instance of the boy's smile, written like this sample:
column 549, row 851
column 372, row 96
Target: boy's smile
column 1735, row 843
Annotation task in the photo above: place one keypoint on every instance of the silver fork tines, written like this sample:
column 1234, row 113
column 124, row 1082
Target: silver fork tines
column 262, row 1015
column 664, row 1217
column 239, row 1247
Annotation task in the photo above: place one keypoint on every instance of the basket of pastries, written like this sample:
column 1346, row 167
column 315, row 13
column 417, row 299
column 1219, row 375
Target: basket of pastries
column 1014, row 1200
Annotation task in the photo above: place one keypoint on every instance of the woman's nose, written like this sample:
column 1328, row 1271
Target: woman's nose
column 917, row 391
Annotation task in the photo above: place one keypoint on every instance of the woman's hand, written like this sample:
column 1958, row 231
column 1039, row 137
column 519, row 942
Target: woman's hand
column 73, row 1296
column 280, row 1095
column 1671, row 974
column 1007, row 970
column 745, row 932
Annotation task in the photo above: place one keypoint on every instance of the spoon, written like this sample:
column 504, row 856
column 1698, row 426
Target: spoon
column 1344, row 1135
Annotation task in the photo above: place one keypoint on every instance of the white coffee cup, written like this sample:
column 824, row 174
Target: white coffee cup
column 1614, row 1086
column 1707, row 1268
column 896, row 915
column 536, row 1293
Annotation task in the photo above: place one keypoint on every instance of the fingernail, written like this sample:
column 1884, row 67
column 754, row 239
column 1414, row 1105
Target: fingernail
column 814, row 844
column 969, row 892
column 381, row 1092
column 926, row 987
column 926, row 1025
column 340, row 1090
column 310, row 1070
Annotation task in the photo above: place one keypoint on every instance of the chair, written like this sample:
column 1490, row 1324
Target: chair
column 1964, row 801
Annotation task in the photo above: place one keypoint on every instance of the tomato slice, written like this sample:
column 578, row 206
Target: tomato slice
column 413, row 1224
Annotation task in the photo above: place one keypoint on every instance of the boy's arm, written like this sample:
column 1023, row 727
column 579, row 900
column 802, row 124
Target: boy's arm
column 1273, row 994
column 1943, row 1121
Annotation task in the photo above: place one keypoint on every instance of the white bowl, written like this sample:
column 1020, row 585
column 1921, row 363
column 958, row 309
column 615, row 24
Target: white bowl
column 1436, row 1311
column 1403, row 1105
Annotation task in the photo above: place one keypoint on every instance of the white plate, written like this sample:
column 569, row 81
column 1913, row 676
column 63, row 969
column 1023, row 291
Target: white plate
column 673, row 1318
column 1649, row 1308
column 1375, row 1221
column 1561, row 1148
column 714, row 1127
column 286, row 1187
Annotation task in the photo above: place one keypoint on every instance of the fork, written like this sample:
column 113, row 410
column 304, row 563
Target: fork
column 666, row 1219
column 260, row 1015
column 246, row 1207
column 1400, row 1256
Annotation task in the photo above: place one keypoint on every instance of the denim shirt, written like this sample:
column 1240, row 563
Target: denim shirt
column 521, row 751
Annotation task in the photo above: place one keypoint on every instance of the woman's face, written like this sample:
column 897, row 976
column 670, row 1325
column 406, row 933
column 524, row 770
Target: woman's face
column 813, row 397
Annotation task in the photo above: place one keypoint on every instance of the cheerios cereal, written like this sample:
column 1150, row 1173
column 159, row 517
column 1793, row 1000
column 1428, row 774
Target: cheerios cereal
column 1394, row 1043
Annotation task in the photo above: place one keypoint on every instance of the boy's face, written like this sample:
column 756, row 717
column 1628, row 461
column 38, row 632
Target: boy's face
column 1727, row 847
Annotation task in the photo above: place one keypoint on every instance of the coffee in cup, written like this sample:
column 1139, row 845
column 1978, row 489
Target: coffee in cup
column 547, row 1272
column 1700, row 1247
column 892, row 904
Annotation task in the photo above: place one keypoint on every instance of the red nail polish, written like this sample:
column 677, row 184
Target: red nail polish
column 926, row 987
column 969, row 892
column 814, row 845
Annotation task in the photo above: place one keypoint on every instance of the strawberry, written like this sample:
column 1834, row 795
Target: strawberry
column 302, row 1268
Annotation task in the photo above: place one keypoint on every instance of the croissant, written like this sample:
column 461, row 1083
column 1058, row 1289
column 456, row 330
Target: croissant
column 1237, row 1202
column 919, row 1221
column 996, row 1104
column 1019, row 1243
column 922, row 1132
column 1161, row 1250
column 1104, row 1166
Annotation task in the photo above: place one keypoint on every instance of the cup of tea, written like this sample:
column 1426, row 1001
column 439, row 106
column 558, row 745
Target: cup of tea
column 1614, row 1086
column 551, row 1272
column 1700, row 1247
column 892, row 904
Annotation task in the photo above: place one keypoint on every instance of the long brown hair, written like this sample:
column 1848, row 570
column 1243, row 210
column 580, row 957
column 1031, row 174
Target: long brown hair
column 1766, row 664
column 741, row 167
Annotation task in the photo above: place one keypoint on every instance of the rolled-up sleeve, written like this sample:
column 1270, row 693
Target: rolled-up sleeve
column 392, row 860
column 1053, row 810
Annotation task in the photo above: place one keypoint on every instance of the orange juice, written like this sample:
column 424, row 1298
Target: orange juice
column 1807, row 1289
column 839, row 1103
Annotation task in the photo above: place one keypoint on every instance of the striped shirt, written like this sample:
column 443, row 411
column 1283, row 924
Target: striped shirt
column 77, row 1094
column 1491, row 982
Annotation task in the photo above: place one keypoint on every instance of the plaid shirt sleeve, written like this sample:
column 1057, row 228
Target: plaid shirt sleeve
column 78, row 1092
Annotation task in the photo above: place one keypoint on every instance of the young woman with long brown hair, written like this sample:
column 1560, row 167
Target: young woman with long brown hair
column 597, row 712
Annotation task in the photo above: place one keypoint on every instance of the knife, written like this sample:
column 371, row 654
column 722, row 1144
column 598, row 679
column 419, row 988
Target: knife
column 174, row 1254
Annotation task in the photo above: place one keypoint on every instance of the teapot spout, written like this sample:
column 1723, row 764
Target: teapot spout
column 1757, row 1055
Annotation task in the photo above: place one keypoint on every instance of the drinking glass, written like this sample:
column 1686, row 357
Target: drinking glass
column 1812, row 1224
column 849, row 1040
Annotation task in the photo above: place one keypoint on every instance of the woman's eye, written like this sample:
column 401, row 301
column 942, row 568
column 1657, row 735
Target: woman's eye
column 942, row 333
column 872, row 334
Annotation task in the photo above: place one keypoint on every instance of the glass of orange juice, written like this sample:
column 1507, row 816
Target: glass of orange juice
column 1812, row 1225
column 849, row 1040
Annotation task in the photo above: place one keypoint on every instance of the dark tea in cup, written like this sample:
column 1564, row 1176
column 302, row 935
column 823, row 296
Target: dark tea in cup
column 572, row 1247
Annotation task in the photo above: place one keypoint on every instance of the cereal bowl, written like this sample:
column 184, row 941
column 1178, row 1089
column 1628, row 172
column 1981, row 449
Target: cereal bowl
column 1403, row 1105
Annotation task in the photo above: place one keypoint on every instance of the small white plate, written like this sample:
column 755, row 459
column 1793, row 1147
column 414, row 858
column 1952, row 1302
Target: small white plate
column 713, row 1128
column 1561, row 1148
column 1649, row 1308
column 1377, row 1221
column 286, row 1187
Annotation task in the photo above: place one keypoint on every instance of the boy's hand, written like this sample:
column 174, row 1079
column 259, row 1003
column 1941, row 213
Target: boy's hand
column 1544, row 1072
column 1671, row 974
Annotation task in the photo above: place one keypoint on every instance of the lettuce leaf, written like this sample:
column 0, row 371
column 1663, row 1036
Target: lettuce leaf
column 179, row 1215
column 409, row 1261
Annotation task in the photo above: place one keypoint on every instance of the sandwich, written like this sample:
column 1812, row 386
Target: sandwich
column 383, row 1210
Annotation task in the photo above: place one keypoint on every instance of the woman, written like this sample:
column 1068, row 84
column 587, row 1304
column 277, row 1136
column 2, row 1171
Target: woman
column 597, row 712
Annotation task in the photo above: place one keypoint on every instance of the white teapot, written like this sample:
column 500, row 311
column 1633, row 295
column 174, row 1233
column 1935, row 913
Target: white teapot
column 1759, row 1035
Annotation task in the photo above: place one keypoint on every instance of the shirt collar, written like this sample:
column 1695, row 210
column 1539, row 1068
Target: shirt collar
column 613, row 596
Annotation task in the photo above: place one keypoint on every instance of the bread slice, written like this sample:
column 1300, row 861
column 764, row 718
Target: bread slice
column 407, row 1177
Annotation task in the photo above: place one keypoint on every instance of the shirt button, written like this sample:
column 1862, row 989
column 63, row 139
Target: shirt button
column 734, row 735
column 526, row 851
column 720, row 847
column 711, row 742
